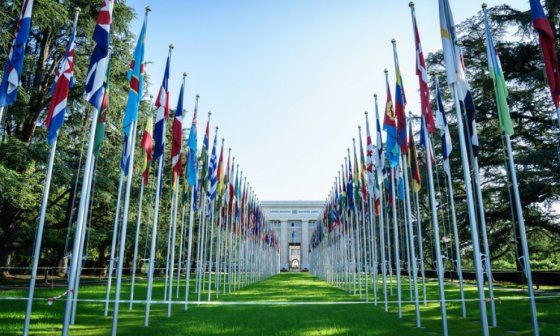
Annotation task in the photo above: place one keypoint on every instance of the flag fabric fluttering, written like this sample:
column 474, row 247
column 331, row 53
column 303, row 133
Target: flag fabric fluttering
column 497, row 75
column 162, row 113
column 148, row 146
column 220, row 175
column 454, row 67
column 14, row 64
column 400, row 105
column 441, row 124
column 177, row 140
column 212, row 170
column 379, row 157
column 204, row 155
column 413, row 162
column 136, row 82
column 99, row 61
column 390, row 126
column 369, row 158
column 62, row 85
column 422, row 73
column 547, row 41
column 102, row 118
column 192, row 163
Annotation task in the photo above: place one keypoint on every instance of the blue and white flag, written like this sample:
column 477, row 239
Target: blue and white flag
column 213, row 169
column 99, row 60
column 14, row 65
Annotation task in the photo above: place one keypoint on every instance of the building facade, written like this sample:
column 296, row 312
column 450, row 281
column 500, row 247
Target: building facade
column 293, row 222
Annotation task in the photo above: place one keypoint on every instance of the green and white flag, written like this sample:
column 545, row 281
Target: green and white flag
column 500, row 87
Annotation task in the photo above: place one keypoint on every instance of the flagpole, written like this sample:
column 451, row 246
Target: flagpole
column 412, row 248
column 181, row 243
column 39, row 237
column 523, row 235
column 137, row 234
column 173, row 230
column 210, row 253
column 471, row 211
column 420, row 247
column 113, row 245
column 396, row 242
column 153, row 243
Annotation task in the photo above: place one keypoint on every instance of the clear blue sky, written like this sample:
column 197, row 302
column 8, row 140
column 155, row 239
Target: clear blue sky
column 288, row 81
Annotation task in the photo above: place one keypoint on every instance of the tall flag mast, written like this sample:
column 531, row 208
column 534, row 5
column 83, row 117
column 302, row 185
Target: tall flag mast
column 547, row 40
column 94, row 93
column 162, row 113
column 456, row 80
column 14, row 64
column 501, row 91
column 55, row 118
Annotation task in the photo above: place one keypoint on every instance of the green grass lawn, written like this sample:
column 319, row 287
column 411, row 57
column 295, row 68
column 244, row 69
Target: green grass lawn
column 278, row 316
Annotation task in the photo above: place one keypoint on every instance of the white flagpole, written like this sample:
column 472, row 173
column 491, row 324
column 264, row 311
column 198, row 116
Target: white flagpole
column 420, row 248
column 412, row 248
column 181, row 242
column 122, row 244
column 153, row 243
column 136, row 237
column 456, row 239
column 39, row 238
column 396, row 242
column 435, row 222
column 189, row 247
column 173, row 230
column 113, row 245
column 82, row 209
column 472, row 215
column 210, row 253
column 523, row 235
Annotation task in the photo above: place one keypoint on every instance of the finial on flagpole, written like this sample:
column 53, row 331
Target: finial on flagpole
column 223, row 140
column 360, row 127
column 386, row 71
column 185, row 74
column 171, row 47
column 217, row 128
column 484, row 5
column 77, row 10
column 411, row 4
column 393, row 41
column 366, row 112
column 209, row 114
column 197, row 96
column 148, row 9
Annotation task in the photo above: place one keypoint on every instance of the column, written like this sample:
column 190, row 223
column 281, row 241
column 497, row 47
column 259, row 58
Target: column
column 284, row 244
column 305, row 244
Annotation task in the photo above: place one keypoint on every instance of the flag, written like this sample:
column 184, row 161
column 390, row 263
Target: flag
column 400, row 104
column 62, row 84
column 204, row 155
column 212, row 170
column 390, row 126
column 219, row 174
column 413, row 162
column 422, row 73
column 350, row 187
column 363, row 171
column 162, row 113
column 136, row 82
column 497, row 75
column 547, row 40
column 372, row 187
column 102, row 118
column 14, row 64
column 453, row 58
column 192, row 163
column 99, row 60
column 147, row 145
column 177, row 141
column 379, row 157
column 441, row 124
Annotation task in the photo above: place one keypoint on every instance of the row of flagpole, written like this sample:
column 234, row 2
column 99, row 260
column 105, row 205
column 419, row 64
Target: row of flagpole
column 250, row 250
column 356, row 201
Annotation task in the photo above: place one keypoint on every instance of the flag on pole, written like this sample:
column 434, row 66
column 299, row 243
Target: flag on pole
column 177, row 141
column 390, row 126
column 422, row 73
column 413, row 162
column 400, row 104
column 497, row 75
column 547, row 40
column 350, row 187
column 14, row 64
column 219, row 174
column 99, row 61
column 192, row 163
column 212, row 170
column 363, row 171
column 454, row 67
column 369, row 158
column 136, row 81
column 204, row 155
column 162, row 113
column 102, row 119
column 148, row 146
column 62, row 84
column 379, row 157
column 441, row 124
